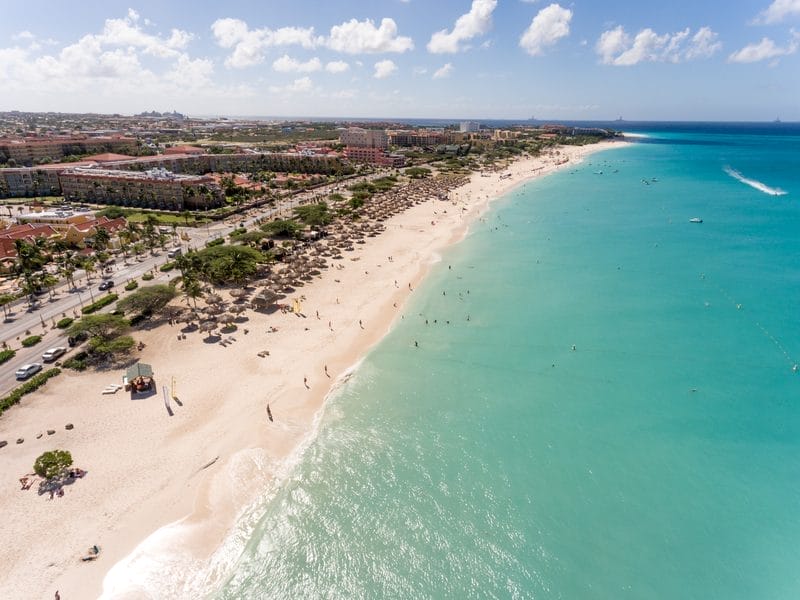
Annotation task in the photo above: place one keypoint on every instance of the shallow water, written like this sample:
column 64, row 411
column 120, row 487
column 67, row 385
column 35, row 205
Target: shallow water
column 659, row 458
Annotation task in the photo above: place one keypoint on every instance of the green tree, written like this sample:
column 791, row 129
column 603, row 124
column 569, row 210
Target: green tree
column 105, row 326
column 6, row 299
column 53, row 464
column 282, row 228
column 316, row 215
column 148, row 300
column 192, row 288
column 101, row 239
column 102, row 349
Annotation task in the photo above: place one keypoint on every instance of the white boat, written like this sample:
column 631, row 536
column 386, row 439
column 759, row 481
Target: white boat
column 695, row 220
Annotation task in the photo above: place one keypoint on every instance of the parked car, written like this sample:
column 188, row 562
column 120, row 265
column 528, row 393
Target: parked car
column 53, row 353
column 26, row 371
column 106, row 285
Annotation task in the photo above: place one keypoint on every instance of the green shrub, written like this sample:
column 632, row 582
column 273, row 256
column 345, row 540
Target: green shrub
column 52, row 464
column 7, row 355
column 215, row 242
column 65, row 322
column 131, row 285
column 147, row 276
column 95, row 306
column 77, row 362
column 168, row 266
column 29, row 386
column 31, row 341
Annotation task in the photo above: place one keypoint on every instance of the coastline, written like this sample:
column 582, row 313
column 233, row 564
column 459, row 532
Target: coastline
column 152, row 476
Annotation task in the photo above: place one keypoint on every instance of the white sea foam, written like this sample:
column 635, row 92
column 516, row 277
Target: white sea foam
column 761, row 187
column 163, row 566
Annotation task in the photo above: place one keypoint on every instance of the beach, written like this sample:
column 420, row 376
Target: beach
column 203, row 466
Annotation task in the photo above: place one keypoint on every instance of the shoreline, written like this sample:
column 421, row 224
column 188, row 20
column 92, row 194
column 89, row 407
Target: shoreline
column 164, row 495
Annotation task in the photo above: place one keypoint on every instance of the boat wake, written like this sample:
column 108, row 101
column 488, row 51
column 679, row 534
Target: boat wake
column 761, row 187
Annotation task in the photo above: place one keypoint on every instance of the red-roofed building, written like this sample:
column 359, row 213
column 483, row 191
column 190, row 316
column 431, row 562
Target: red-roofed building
column 185, row 150
column 106, row 157
column 27, row 232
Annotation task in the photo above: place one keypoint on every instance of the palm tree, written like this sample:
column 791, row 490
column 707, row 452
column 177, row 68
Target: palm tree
column 192, row 289
column 101, row 238
column 29, row 261
column 87, row 264
column 6, row 299
column 49, row 281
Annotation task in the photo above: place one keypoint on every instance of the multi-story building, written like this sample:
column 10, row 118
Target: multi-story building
column 155, row 188
column 469, row 127
column 364, row 138
column 27, row 151
column 424, row 138
column 374, row 156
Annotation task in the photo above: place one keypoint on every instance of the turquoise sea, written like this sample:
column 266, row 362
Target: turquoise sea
column 658, row 458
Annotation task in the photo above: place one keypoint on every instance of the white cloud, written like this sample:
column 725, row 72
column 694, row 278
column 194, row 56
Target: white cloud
column 384, row 68
column 420, row 70
column 616, row 47
column 344, row 94
column 302, row 85
column 778, row 11
column 362, row 37
column 765, row 49
column 337, row 66
column 443, row 72
column 127, row 33
column 287, row 64
column 547, row 27
column 191, row 73
column 110, row 64
column 25, row 36
column 476, row 22
column 249, row 44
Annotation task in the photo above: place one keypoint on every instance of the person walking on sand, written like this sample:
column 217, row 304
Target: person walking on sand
column 326, row 371
column 269, row 413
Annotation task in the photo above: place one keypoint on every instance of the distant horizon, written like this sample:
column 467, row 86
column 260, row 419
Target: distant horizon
column 585, row 61
column 404, row 119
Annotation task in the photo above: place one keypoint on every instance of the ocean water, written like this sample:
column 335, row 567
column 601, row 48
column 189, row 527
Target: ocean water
column 602, row 403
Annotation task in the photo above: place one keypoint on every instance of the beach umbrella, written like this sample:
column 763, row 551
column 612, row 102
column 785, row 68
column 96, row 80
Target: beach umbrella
column 238, row 293
column 214, row 299
column 238, row 309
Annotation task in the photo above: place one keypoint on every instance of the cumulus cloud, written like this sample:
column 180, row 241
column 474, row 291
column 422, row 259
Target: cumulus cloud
column 362, row 37
column 616, row 47
column 474, row 23
column 384, row 68
column 778, row 11
column 111, row 64
column 249, row 44
column 337, row 66
column 443, row 72
column 302, row 85
column 765, row 49
column 547, row 27
column 287, row 64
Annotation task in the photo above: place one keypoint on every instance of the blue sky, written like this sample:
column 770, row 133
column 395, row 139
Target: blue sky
column 643, row 60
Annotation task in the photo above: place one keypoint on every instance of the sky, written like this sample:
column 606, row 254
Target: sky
column 722, row 60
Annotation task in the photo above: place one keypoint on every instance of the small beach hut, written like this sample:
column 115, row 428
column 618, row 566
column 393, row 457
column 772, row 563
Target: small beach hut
column 139, row 378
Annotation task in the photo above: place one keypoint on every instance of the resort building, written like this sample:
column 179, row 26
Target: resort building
column 469, row 127
column 30, row 150
column 364, row 138
column 374, row 156
column 154, row 188
column 27, row 232
column 423, row 138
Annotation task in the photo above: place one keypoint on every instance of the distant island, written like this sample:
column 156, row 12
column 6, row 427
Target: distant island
column 153, row 113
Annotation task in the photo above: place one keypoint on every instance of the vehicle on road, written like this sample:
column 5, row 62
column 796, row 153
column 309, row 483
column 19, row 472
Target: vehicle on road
column 106, row 285
column 26, row 371
column 53, row 353
column 174, row 252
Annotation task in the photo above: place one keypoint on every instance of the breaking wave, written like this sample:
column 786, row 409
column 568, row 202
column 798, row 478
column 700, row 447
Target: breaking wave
column 761, row 187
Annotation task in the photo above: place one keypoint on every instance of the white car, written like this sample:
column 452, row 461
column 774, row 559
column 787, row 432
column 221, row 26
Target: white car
column 53, row 353
column 26, row 371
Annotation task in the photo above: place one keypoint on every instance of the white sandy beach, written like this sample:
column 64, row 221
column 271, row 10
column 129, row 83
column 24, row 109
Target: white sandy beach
column 219, row 452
